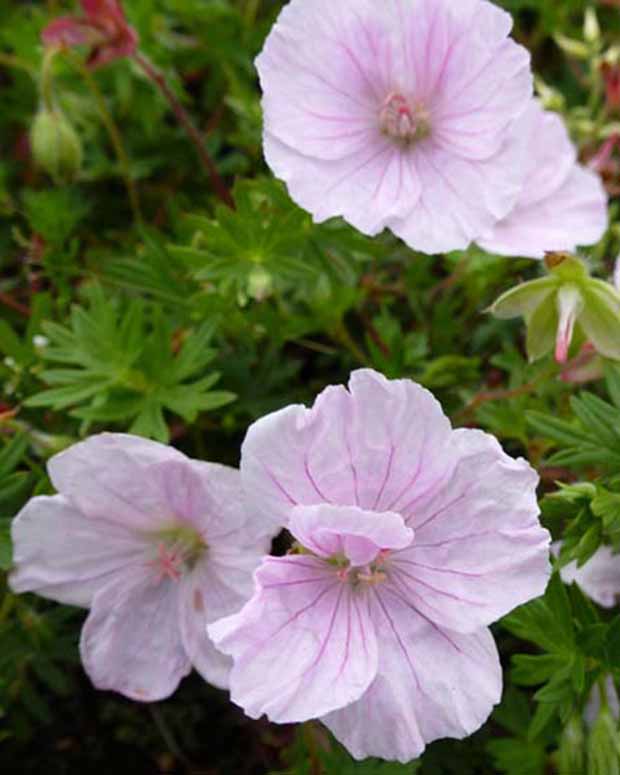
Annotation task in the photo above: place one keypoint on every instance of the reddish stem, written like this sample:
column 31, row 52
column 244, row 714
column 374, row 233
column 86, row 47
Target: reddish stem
column 8, row 301
column 186, row 122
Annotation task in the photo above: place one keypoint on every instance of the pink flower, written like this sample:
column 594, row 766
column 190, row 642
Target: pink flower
column 155, row 544
column 562, row 204
column 397, row 114
column 103, row 27
column 411, row 538
column 599, row 577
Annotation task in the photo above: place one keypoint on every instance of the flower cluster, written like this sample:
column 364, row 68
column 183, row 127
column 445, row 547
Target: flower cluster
column 410, row 538
column 418, row 116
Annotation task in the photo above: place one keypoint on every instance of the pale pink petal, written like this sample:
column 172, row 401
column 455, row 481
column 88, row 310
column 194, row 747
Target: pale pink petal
column 570, row 303
column 379, row 447
column 599, row 578
column 479, row 550
column 349, row 531
column 575, row 214
column 461, row 198
column 218, row 586
column 303, row 646
column 131, row 642
column 341, row 63
column 116, row 477
column 431, row 683
column 562, row 205
column 63, row 555
column 371, row 189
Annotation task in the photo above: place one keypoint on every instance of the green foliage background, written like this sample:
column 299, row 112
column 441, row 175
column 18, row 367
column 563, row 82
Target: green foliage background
column 191, row 321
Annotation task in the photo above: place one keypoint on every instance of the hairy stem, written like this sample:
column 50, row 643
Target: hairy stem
column 186, row 122
column 115, row 137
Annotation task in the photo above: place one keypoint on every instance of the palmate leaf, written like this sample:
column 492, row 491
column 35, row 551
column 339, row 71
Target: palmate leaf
column 593, row 438
column 269, row 246
column 128, row 365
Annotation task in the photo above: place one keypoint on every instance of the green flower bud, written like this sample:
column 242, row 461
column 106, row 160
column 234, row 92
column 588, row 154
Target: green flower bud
column 572, row 751
column 566, row 301
column 604, row 746
column 56, row 146
column 591, row 27
column 260, row 284
column 572, row 47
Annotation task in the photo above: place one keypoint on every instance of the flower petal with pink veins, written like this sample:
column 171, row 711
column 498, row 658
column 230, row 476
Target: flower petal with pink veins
column 116, row 477
column 218, row 586
column 358, row 535
column 379, row 445
column 479, row 550
column 131, row 642
column 374, row 186
column 303, row 646
column 431, row 683
column 64, row 556
column 328, row 70
column 599, row 578
column 562, row 205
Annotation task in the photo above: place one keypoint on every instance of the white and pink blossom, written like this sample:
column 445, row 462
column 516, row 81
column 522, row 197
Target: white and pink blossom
column 397, row 114
column 410, row 539
column 156, row 545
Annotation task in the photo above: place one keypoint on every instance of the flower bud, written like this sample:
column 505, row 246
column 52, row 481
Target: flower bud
column 572, row 47
column 260, row 284
column 566, row 301
column 571, row 754
column 604, row 746
column 591, row 27
column 56, row 146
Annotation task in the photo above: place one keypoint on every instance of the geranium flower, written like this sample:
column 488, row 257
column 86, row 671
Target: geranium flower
column 103, row 27
column 562, row 204
column 155, row 544
column 397, row 114
column 411, row 538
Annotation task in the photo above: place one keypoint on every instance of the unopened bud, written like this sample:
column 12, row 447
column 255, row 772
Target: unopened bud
column 260, row 284
column 56, row 146
column 591, row 27
column 572, row 753
column 572, row 47
column 604, row 746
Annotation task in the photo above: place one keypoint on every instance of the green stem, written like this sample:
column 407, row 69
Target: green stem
column 186, row 122
column 115, row 136
column 343, row 337
column 47, row 78
column 9, row 60
column 168, row 736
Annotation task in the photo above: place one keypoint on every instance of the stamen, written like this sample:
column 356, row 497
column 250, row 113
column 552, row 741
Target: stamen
column 402, row 121
column 168, row 563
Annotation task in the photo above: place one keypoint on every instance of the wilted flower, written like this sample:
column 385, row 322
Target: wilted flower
column 397, row 114
column 155, row 544
column 103, row 27
column 554, row 307
column 411, row 539
column 562, row 204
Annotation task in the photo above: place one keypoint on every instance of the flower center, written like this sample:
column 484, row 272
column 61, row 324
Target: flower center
column 176, row 551
column 374, row 573
column 403, row 122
